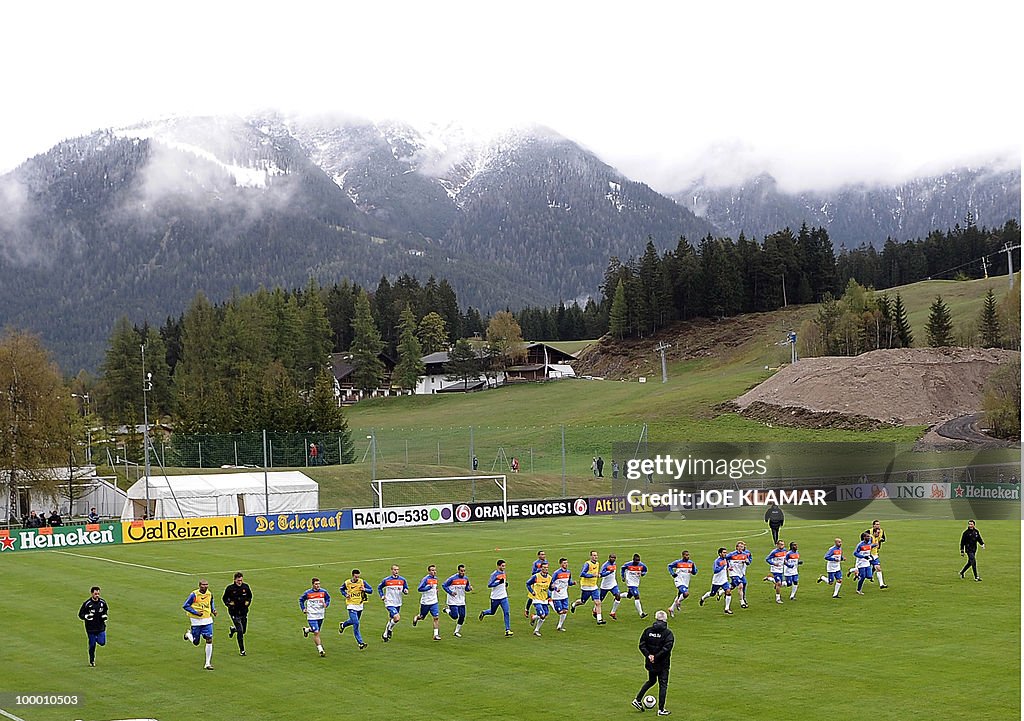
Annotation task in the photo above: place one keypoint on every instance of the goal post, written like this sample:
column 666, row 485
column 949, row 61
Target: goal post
column 391, row 492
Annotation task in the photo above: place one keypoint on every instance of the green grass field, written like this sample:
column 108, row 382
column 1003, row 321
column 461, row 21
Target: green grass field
column 929, row 646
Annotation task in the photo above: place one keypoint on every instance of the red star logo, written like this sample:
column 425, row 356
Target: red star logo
column 959, row 491
column 6, row 543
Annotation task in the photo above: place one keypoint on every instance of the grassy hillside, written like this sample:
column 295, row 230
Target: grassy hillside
column 964, row 298
column 709, row 363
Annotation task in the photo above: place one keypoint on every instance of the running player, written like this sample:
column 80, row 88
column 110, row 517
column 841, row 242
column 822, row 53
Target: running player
column 738, row 562
column 391, row 590
column 561, row 579
column 201, row 611
column 499, row 596
column 314, row 603
column 681, row 570
column 863, row 555
column 589, row 576
column 791, row 574
column 542, row 557
column 631, row 575
column 355, row 590
column 776, row 561
column 457, row 587
column 834, row 567
column 610, row 584
column 720, row 581
column 877, row 539
column 539, row 587
column 428, row 600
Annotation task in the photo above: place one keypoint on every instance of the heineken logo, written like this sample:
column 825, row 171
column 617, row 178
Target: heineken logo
column 61, row 537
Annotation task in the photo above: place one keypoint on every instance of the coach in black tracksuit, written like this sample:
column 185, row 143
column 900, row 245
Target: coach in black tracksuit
column 237, row 598
column 774, row 517
column 969, row 542
column 656, row 646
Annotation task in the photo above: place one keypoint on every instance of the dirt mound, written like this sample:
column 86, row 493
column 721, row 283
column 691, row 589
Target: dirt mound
column 909, row 386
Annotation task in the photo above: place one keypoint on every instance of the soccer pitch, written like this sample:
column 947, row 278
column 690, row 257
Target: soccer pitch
column 928, row 646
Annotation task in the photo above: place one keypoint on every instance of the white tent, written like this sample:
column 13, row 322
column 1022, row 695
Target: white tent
column 222, row 494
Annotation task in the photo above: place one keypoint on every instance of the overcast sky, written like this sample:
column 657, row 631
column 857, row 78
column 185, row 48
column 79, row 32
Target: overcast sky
column 815, row 92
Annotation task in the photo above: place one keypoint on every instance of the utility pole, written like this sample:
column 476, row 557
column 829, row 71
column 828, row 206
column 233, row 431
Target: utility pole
column 1008, row 249
column 147, row 385
column 661, row 348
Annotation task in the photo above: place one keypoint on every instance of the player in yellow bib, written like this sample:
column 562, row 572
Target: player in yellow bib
column 200, row 610
column 539, row 588
column 877, row 539
column 589, row 577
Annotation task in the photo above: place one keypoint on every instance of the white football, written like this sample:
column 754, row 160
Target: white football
column 650, row 701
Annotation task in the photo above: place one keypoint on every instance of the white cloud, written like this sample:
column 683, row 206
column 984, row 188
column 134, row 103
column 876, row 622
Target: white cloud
column 812, row 91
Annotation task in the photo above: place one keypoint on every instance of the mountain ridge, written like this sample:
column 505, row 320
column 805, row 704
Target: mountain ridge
column 134, row 221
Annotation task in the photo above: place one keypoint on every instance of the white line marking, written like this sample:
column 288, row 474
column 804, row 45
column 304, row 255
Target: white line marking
column 11, row 716
column 124, row 563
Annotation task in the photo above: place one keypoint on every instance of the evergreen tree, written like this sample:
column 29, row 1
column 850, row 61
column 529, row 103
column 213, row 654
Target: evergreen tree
column 988, row 322
column 326, row 415
column 283, row 409
column 366, row 347
column 410, row 353
column 120, row 389
column 314, row 342
column 201, row 403
column 901, row 326
column 617, row 318
column 940, row 324
column 463, row 363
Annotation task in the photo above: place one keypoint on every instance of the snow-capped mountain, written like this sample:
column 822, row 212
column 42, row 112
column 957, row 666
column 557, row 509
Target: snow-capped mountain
column 859, row 214
column 147, row 215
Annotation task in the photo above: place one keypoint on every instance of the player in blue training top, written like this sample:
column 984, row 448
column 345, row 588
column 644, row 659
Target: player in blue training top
column 457, row 587
column 200, row 609
column 542, row 557
column 589, row 578
column 681, row 570
column 776, row 560
column 314, row 603
column 355, row 590
column 791, row 574
column 738, row 562
column 561, row 579
column 609, row 583
column 863, row 555
column 428, row 600
column 834, row 567
column 631, row 574
column 391, row 590
column 539, row 586
column 720, row 581
column 499, row 596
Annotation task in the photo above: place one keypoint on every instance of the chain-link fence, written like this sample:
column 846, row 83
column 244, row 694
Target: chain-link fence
column 572, row 450
column 255, row 450
column 575, row 450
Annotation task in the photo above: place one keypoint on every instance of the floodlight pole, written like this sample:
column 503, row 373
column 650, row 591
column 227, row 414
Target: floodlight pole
column 147, row 385
column 266, row 478
column 661, row 348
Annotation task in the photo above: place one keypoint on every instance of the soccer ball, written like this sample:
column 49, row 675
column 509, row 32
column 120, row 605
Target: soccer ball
column 650, row 701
